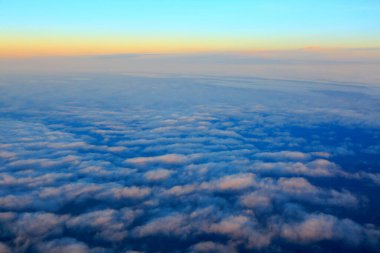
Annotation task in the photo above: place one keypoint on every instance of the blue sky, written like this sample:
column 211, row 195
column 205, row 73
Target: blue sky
column 278, row 24
column 226, row 17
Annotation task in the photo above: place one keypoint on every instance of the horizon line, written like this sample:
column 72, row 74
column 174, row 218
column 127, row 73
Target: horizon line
column 310, row 48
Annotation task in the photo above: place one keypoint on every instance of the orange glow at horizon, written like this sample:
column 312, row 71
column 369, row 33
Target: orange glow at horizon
column 77, row 46
column 33, row 46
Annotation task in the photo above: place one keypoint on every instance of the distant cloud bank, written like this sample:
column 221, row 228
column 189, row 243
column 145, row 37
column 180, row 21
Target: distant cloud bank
column 358, row 66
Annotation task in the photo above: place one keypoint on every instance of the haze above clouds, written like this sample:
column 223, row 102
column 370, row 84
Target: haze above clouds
column 358, row 66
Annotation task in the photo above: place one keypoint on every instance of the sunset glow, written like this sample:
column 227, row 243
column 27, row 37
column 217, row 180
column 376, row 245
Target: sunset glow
column 51, row 28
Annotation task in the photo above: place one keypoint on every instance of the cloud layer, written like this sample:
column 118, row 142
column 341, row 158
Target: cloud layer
column 187, row 165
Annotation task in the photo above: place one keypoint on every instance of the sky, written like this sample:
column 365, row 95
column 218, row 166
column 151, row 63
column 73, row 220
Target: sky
column 51, row 28
column 189, row 126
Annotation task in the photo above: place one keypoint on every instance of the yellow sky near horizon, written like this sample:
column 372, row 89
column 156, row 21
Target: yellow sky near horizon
column 19, row 46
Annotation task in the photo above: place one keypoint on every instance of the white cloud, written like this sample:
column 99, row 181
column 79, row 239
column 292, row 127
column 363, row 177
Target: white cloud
column 284, row 155
column 64, row 245
column 158, row 175
column 166, row 159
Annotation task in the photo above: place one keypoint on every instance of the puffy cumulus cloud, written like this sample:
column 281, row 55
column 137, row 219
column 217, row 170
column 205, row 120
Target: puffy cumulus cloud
column 315, row 168
column 318, row 227
column 4, row 248
column 69, row 192
column 64, row 245
column 257, row 201
column 25, row 230
column 117, row 193
column 5, row 155
column 296, row 185
column 62, row 145
column 232, row 225
column 16, row 202
column 235, row 182
column 341, row 198
column 43, row 163
column 301, row 189
column 106, row 225
column 137, row 167
column 7, row 179
column 374, row 177
column 315, row 228
column 179, row 190
column 212, row 247
column 54, row 198
column 165, row 159
column 321, row 154
column 39, row 224
column 105, row 171
column 284, row 155
column 158, row 175
column 266, row 191
column 174, row 224
column 324, row 165
column 242, row 228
